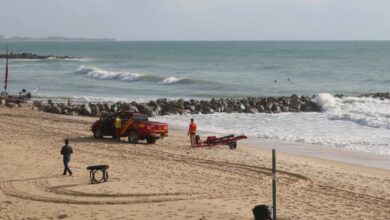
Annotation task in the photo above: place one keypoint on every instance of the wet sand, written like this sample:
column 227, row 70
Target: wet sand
column 323, row 152
column 169, row 180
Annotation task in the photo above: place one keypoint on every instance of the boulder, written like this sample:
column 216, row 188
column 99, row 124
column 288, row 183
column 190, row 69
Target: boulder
column 171, row 108
column 53, row 108
column 64, row 111
column 260, row 108
column 101, row 107
column 285, row 108
column 95, row 111
column 73, row 113
column 276, row 109
column 306, row 108
column 85, row 110
column 37, row 104
column 253, row 110
column 269, row 104
column 106, row 107
column 11, row 105
column 114, row 107
column 144, row 108
column 242, row 108
column 161, row 101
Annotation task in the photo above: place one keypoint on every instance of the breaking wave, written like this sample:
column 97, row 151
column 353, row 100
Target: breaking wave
column 366, row 111
column 96, row 73
column 82, row 59
column 170, row 80
column 326, row 101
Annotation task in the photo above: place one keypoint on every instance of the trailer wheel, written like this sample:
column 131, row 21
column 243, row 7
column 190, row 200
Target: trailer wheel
column 232, row 145
column 133, row 137
column 97, row 134
column 151, row 139
column 197, row 139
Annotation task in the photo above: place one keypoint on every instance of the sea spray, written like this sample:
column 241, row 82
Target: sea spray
column 325, row 101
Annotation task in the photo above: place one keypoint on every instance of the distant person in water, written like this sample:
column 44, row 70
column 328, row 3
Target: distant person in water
column 66, row 151
column 192, row 132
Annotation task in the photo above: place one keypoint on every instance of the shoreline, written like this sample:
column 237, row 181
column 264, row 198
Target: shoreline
column 169, row 179
column 311, row 151
column 293, row 148
column 328, row 154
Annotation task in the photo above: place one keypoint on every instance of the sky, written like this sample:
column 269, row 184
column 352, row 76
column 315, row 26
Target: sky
column 198, row 19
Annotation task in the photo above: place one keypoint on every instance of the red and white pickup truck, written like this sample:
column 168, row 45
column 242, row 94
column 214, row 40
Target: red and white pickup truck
column 135, row 126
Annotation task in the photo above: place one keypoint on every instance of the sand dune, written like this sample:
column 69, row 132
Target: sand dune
column 169, row 180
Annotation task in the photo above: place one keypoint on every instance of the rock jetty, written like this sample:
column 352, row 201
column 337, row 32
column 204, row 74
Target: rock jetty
column 32, row 56
column 164, row 106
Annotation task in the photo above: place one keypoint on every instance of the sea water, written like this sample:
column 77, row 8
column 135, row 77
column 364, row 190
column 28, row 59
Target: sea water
column 128, row 71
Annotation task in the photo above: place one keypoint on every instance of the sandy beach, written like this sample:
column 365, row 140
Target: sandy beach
column 169, row 180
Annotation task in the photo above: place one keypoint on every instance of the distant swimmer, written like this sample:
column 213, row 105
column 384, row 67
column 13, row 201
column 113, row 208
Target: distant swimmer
column 275, row 81
column 192, row 132
column 288, row 79
column 66, row 151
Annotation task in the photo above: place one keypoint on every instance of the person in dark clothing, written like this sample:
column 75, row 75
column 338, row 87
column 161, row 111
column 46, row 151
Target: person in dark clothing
column 66, row 151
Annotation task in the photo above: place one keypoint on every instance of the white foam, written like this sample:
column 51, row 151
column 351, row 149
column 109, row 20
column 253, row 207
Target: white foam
column 351, row 123
column 83, row 59
column 364, row 111
column 86, row 99
column 96, row 73
column 170, row 80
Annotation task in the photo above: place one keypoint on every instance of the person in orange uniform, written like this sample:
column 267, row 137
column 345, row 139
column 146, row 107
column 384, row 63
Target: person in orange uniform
column 192, row 132
column 118, row 126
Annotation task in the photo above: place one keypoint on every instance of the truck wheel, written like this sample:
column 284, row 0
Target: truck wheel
column 150, row 139
column 232, row 145
column 133, row 137
column 98, row 134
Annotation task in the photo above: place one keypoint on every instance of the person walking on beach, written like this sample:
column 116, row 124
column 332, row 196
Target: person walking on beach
column 192, row 132
column 66, row 151
column 118, row 126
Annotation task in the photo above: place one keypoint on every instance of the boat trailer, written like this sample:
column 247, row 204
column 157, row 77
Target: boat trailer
column 229, row 140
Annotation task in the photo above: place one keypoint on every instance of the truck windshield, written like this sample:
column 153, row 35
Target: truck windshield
column 140, row 117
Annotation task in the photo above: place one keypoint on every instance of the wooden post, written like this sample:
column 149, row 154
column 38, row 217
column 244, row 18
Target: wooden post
column 273, row 184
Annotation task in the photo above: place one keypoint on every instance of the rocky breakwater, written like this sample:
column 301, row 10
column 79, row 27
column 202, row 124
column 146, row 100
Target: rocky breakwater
column 162, row 107
column 32, row 56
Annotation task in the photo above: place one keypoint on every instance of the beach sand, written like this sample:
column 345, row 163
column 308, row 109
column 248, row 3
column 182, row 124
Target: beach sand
column 169, row 180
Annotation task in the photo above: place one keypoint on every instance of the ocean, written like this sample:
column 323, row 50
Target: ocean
column 140, row 71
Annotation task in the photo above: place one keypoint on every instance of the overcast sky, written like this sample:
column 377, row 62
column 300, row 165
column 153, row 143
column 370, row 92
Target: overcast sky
column 198, row 19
